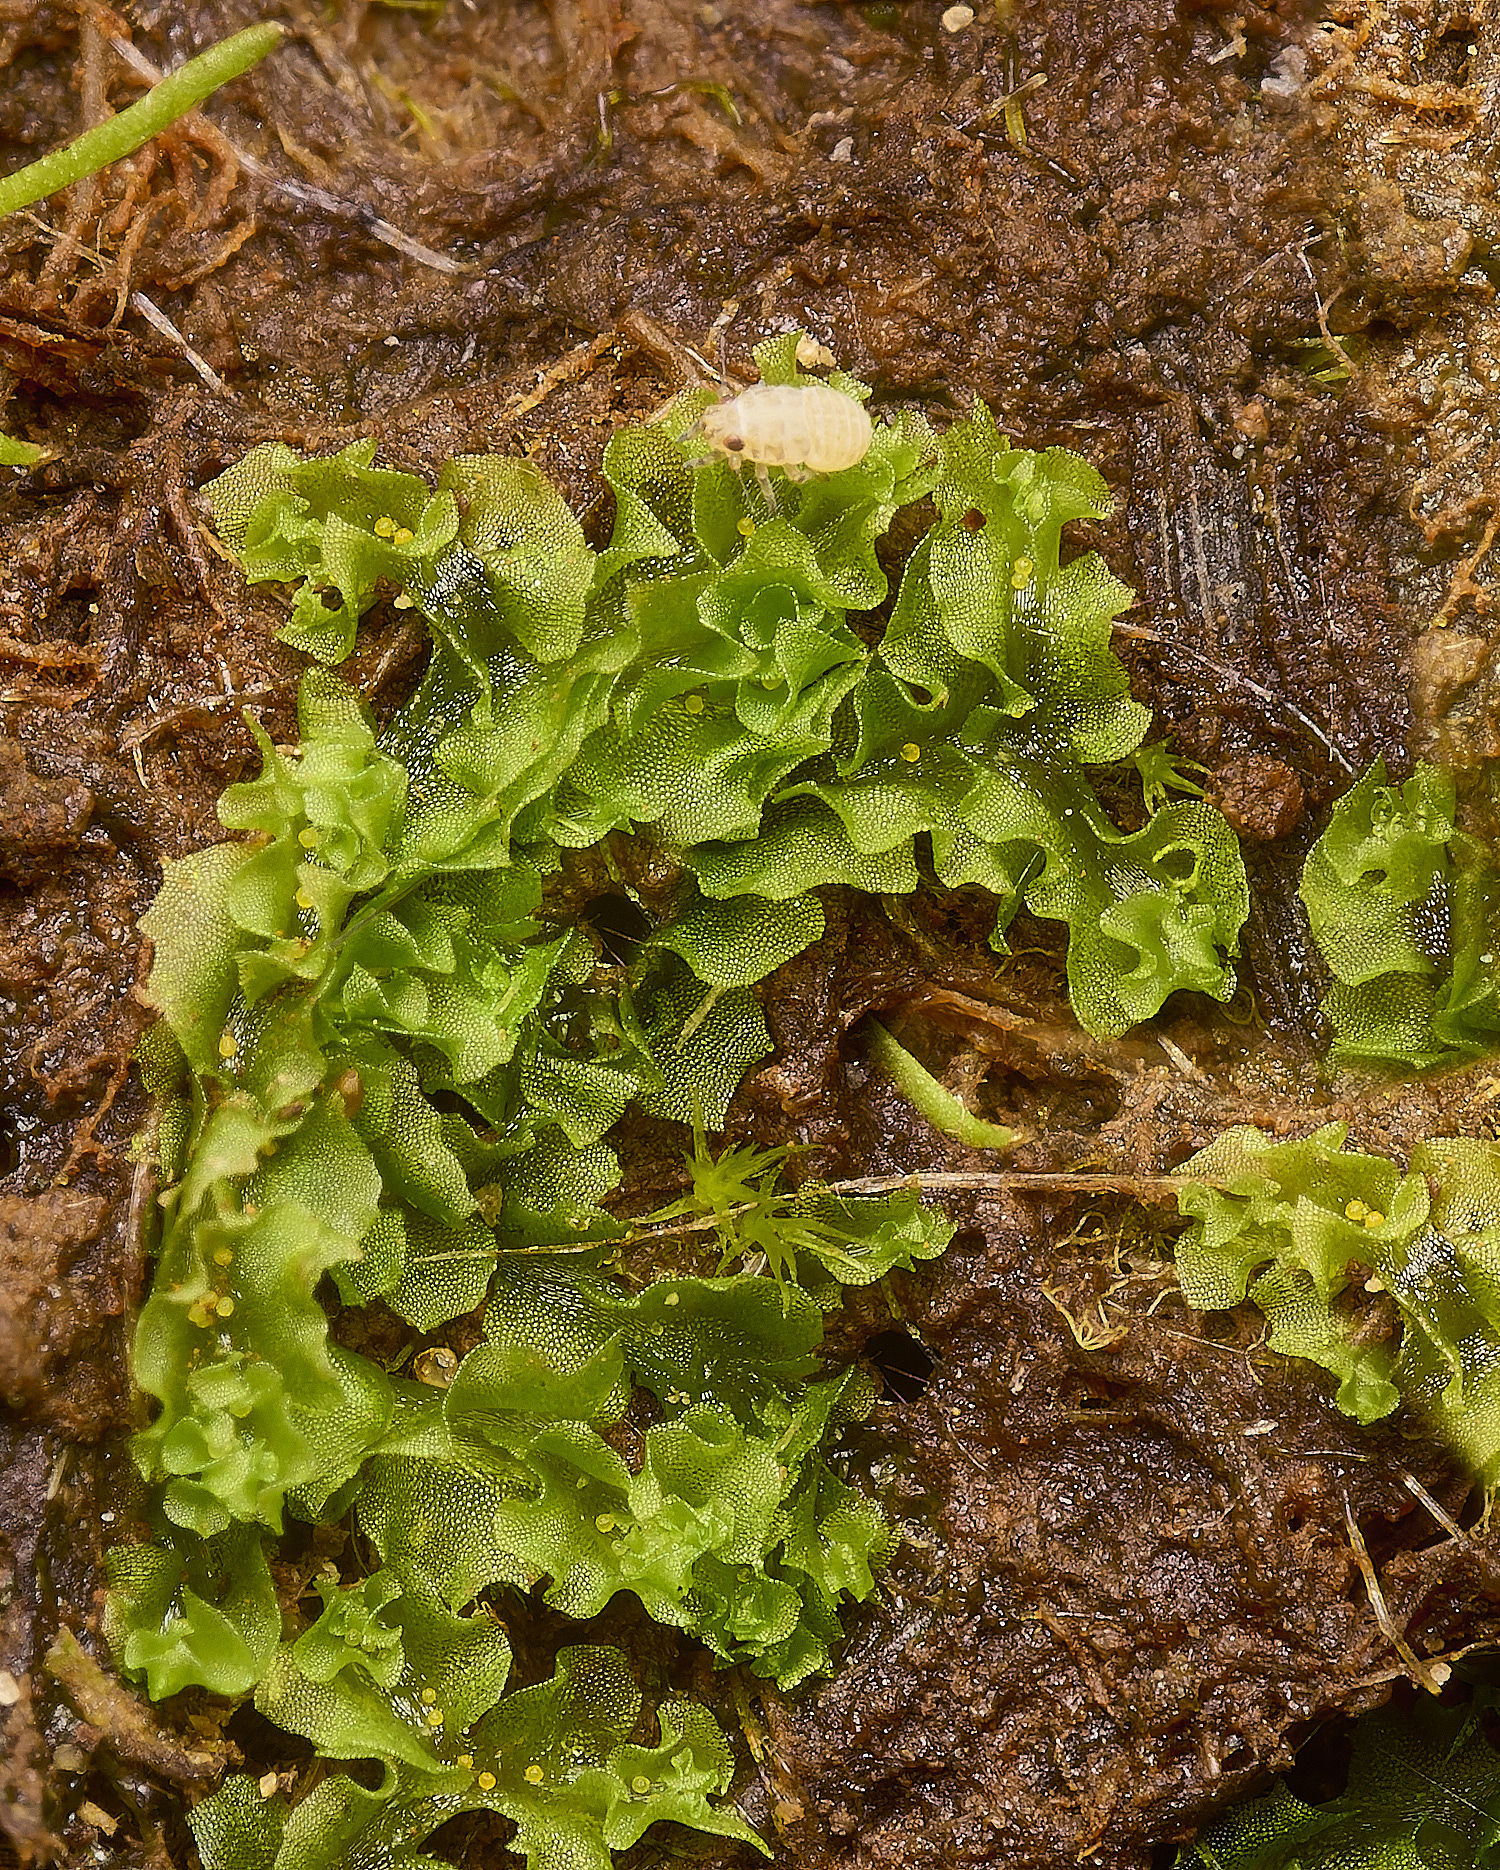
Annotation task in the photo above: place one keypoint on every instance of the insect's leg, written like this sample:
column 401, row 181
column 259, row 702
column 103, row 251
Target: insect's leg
column 763, row 475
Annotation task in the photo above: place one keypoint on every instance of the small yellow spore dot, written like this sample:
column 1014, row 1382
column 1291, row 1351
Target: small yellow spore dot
column 404, row 535
column 228, row 1045
column 605, row 1522
column 402, row 602
column 487, row 1782
column 429, row 1695
column 745, row 528
column 1355, row 1210
column 1374, row 1218
column 225, row 1306
column 308, row 838
column 672, row 1298
column 303, row 900
column 434, row 1717
column 534, row 1775
column 466, row 1759
column 223, row 1256
column 385, row 527
column 1021, row 574
column 693, row 704
column 911, row 752
column 640, row 1785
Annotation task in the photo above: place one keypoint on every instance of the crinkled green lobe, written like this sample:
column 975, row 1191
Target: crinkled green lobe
column 414, row 1144
column 595, row 1791
column 445, row 1271
column 1405, row 909
column 858, row 1239
column 703, row 1040
column 1446, row 1280
column 1299, row 1226
column 401, row 1076
column 802, row 845
column 841, row 514
column 736, row 943
column 427, row 1503
column 187, row 1611
column 353, row 1632
column 699, row 676
column 339, row 789
column 194, row 938
column 1422, row 1793
column 1249, row 1190
column 557, row 1757
column 335, row 523
column 238, row 1828
column 1297, row 1209
column 449, row 1666
column 431, row 970
column 729, row 1341
column 1000, row 597
column 524, row 569
column 551, row 1196
column 486, row 762
column 231, row 1342
column 730, row 1528
column 969, row 732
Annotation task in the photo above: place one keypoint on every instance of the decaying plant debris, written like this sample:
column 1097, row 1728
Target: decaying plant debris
column 1240, row 263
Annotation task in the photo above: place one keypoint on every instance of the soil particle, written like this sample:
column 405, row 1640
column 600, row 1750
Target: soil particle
column 59, row 1349
column 1263, row 799
column 1454, row 705
column 40, row 818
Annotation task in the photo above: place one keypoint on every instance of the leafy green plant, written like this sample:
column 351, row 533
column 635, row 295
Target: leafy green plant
column 421, row 1692
column 699, row 679
column 1423, row 1794
column 382, row 1064
column 1405, row 908
column 1326, row 1240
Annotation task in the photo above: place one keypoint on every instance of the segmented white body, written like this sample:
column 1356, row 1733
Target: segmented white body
column 794, row 426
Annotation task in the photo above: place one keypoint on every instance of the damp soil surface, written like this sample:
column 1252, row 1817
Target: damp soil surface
column 1244, row 261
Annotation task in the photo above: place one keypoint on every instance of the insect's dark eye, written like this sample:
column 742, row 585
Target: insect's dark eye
column 734, row 443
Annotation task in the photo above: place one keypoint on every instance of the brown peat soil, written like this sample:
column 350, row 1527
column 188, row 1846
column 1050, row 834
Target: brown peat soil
column 1244, row 260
